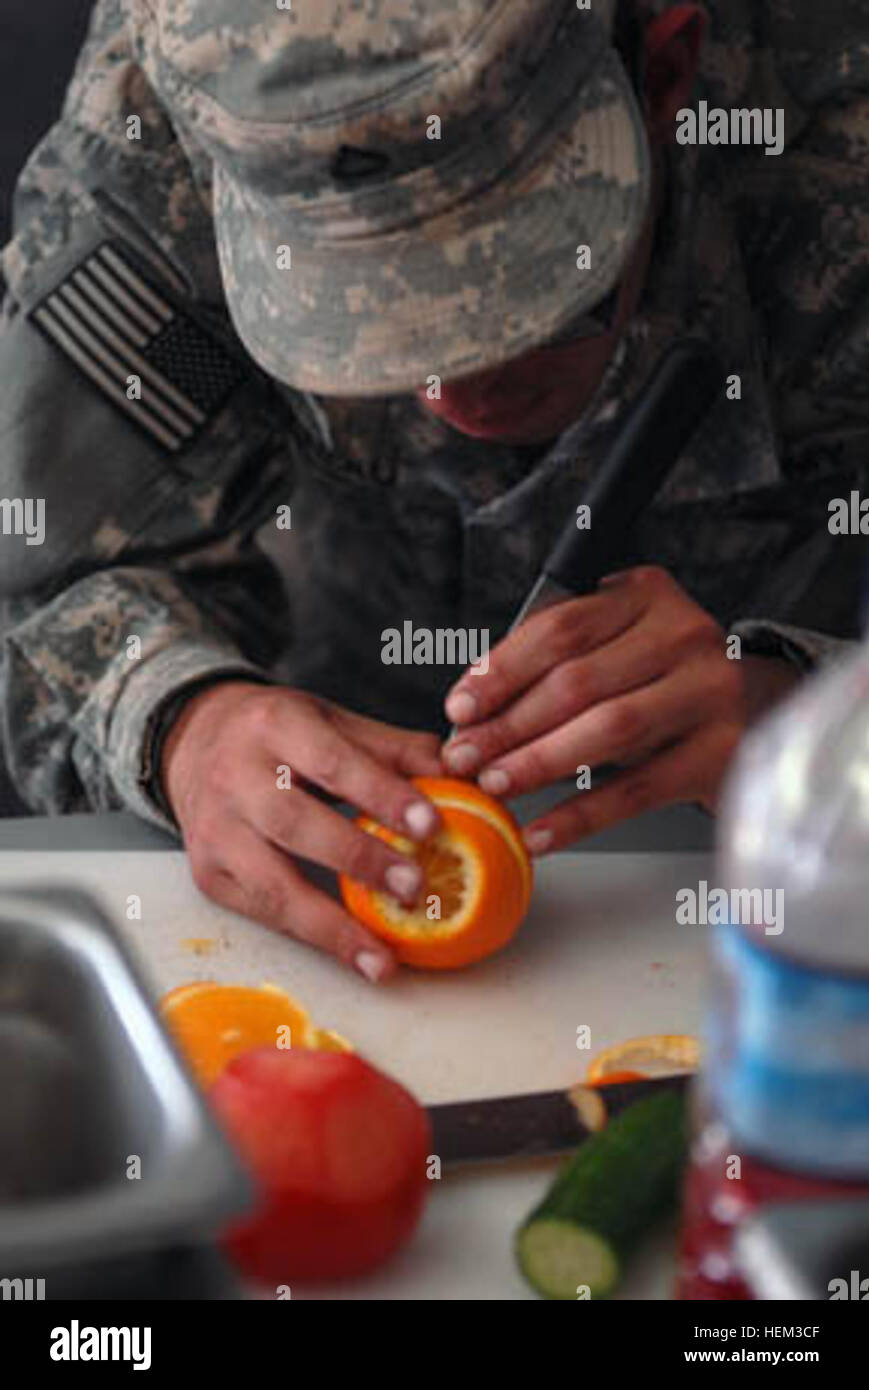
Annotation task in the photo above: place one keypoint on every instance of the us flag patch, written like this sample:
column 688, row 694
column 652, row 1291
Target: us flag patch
column 114, row 325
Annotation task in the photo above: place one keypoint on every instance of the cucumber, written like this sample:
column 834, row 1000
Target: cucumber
column 604, row 1199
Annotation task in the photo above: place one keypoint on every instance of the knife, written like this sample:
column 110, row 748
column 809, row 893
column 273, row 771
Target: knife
column 656, row 429
column 529, row 1126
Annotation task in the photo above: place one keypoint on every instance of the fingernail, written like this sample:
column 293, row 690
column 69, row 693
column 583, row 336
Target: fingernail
column 495, row 781
column 537, row 841
column 421, row 819
column 371, row 965
column 461, row 707
column 403, row 880
column 461, row 757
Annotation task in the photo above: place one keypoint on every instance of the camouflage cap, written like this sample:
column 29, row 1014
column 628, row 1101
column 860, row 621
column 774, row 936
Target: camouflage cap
column 401, row 186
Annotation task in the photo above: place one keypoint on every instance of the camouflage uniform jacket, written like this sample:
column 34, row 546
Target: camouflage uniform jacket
column 395, row 516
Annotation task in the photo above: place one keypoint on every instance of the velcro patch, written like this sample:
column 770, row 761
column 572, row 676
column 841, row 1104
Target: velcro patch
column 114, row 325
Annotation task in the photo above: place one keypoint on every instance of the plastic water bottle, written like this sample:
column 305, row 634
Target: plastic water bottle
column 782, row 1108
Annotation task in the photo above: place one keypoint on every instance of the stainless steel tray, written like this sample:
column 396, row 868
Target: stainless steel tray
column 89, row 1081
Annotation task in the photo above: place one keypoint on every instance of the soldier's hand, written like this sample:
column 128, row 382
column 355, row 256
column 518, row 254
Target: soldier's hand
column 635, row 676
column 243, row 824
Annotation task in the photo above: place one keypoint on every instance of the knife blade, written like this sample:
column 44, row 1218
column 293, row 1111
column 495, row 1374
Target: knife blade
column 533, row 1125
column 544, row 594
column 656, row 429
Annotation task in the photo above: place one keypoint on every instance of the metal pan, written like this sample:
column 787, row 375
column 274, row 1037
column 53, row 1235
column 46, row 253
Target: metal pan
column 89, row 1084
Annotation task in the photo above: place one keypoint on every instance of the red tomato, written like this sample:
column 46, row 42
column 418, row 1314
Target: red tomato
column 340, row 1153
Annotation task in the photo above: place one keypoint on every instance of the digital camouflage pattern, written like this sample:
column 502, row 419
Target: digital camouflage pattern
column 463, row 250
column 395, row 516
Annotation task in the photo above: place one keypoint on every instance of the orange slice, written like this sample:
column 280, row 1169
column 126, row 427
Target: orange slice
column 448, row 792
column 325, row 1040
column 477, row 882
column 661, row 1054
column 180, row 992
column 214, row 1023
column 615, row 1077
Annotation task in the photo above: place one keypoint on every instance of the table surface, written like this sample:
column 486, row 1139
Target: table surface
column 600, row 948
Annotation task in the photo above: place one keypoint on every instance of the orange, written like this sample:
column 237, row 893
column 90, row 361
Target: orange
column 325, row 1040
column 214, row 1023
column 661, row 1054
column 477, row 877
column 448, row 792
column 614, row 1078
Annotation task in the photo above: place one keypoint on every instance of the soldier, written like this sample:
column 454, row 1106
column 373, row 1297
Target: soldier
column 368, row 289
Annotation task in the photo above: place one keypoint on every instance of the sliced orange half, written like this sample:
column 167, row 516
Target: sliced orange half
column 181, row 992
column 448, row 792
column 214, row 1023
column 477, row 882
column 660, row 1054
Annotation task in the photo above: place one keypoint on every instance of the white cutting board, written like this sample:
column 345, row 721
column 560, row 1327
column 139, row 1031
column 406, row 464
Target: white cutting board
column 601, row 947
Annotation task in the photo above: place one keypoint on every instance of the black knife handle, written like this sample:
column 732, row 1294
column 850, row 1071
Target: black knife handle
column 529, row 1126
column 657, row 428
